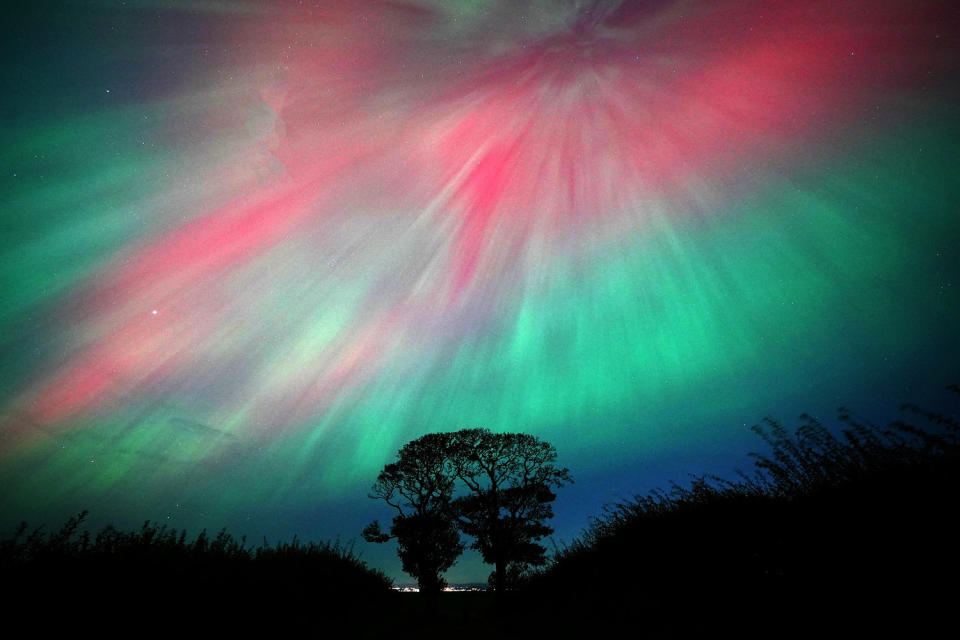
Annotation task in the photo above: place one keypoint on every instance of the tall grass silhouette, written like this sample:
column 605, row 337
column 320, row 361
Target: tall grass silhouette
column 846, row 528
column 147, row 574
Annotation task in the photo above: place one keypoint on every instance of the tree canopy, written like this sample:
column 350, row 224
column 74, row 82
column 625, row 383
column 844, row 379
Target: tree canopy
column 419, row 486
column 494, row 487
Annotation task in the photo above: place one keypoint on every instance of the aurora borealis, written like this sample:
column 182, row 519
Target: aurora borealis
column 250, row 249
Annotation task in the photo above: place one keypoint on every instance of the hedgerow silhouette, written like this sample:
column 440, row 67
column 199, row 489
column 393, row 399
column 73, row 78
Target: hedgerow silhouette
column 219, row 580
column 851, row 524
column 158, row 546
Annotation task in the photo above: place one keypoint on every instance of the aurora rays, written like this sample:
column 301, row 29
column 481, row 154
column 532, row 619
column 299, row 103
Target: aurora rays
column 251, row 249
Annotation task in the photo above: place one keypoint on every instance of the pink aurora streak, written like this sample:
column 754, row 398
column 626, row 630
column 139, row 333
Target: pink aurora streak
column 556, row 137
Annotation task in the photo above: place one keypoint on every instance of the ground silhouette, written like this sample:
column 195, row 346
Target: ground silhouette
column 843, row 531
column 846, row 530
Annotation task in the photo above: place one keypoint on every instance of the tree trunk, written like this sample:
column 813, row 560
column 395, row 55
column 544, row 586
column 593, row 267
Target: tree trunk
column 500, row 579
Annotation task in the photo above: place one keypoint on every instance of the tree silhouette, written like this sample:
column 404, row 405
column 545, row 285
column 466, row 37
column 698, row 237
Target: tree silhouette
column 506, row 482
column 419, row 485
column 509, row 478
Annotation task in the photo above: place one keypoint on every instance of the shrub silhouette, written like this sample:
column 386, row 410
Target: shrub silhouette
column 144, row 573
column 852, row 525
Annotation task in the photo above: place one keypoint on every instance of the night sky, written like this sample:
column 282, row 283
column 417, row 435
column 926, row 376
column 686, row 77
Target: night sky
column 250, row 249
